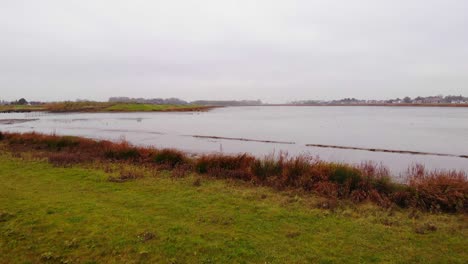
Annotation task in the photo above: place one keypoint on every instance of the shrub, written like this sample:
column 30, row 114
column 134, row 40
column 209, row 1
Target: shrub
column 223, row 166
column 402, row 198
column 267, row 167
column 124, row 154
column 59, row 143
column 345, row 174
column 327, row 189
column 445, row 191
column 1, row 136
column 296, row 171
column 169, row 157
column 376, row 177
column 346, row 177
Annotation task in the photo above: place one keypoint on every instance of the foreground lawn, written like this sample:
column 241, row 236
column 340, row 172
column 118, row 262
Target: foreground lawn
column 75, row 215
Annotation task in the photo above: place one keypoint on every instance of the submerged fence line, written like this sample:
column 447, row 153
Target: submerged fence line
column 244, row 139
column 411, row 152
column 389, row 150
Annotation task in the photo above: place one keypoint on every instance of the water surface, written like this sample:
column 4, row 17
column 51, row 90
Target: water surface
column 423, row 129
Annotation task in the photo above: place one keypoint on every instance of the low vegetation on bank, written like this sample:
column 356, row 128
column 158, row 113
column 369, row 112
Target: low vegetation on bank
column 116, row 212
column 435, row 191
column 67, row 107
column 75, row 200
column 20, row 108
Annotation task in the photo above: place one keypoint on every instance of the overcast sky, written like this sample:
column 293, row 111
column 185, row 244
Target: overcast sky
column 242, row 49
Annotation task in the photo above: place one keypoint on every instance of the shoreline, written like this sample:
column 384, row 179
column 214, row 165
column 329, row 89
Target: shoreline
column 185, row 109
column 423, row 189
column 210, row 107
column 104, row 108
column 380, row 105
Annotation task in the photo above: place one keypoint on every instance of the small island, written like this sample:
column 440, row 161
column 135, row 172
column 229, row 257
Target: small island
column 22, row 106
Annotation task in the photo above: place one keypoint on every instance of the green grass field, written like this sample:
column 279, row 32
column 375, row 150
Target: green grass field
column 75, row 215
column 102, row 107
column 148, row 107
column 21, row 108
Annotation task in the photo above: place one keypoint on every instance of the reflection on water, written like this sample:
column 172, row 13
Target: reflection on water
column 263, row 130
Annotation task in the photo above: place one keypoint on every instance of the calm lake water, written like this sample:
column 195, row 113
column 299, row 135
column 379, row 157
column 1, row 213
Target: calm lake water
column 432, row 129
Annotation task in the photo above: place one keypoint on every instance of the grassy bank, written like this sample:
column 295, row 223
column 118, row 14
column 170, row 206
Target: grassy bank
column 85, row 214
column 20, row 108
column 151, row 107
column 66, row 107
column 435, row 191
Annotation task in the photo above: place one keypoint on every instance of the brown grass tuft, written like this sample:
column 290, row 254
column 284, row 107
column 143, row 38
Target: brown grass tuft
column 66, row 159
column 445, row 191
column 170, row 158
column 127, row 174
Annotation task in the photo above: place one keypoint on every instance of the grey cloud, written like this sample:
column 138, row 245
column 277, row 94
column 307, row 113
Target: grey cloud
column 272, row 50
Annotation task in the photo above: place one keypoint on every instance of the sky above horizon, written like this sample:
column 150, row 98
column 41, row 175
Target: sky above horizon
column 276, row 51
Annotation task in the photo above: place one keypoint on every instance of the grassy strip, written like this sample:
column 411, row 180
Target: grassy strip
column 437, row 191
column 66, row 107
column 151, row 107
column 81, row 214
column 120, row 107
column 20, row 108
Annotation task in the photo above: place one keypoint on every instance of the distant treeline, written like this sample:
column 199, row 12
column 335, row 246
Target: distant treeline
column 228, row 103
column 430, row 100
column 177, row 101
column 440, row 99
column 21, row 101
column 168, row 101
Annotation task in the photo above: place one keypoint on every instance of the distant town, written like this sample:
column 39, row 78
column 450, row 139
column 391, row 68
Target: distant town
column 429, row 100
column 439, row 99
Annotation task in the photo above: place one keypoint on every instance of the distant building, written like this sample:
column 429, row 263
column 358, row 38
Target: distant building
column 433, row 100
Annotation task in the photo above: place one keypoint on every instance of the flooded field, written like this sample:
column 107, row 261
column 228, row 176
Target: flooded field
column 395, row 136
